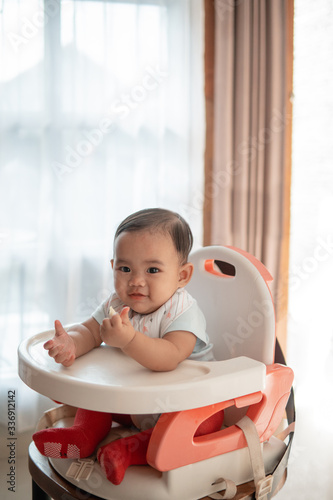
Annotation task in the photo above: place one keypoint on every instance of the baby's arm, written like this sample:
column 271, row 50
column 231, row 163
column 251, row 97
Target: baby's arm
column 156, row 354
column 65, row 346
column 161, row 354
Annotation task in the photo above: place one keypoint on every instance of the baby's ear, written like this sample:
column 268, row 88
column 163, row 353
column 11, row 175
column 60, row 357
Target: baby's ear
column 185, row 274
column 112, row 262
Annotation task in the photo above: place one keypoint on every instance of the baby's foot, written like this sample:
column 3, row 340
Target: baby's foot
column 117, row 456
column 78, row 441
column 64, row 443
column 114, row 459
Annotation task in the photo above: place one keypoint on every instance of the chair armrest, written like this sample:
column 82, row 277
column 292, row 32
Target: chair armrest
column 176, row 431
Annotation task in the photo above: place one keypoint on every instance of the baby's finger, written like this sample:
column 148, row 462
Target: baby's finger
column 48, row 345
column 64, row 358
column 115, row 321
column 59, row 329
column 69, row 361
column 106, row 324
column 55, row 350
column 124, row 314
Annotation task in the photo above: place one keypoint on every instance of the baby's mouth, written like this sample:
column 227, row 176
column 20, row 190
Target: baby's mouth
column 137, row 296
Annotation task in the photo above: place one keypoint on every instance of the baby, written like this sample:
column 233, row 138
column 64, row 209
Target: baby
column 150, row 317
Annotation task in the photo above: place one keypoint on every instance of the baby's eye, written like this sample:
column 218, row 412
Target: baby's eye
column 124, row 269
column 152, row 270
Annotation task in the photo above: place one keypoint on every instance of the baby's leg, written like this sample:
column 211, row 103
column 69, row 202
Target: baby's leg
column 117, row 456
column 78, row 441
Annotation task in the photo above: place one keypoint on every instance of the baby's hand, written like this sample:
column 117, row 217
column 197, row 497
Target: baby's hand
column 61, row 347
column 118, row 330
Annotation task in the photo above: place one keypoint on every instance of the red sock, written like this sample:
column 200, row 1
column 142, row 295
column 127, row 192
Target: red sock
column 117, row 456
column 78, row 441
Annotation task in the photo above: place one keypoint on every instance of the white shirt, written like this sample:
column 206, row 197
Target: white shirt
column 180, row 313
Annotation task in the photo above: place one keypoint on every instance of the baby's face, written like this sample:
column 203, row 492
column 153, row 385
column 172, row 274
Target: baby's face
column 147, row 271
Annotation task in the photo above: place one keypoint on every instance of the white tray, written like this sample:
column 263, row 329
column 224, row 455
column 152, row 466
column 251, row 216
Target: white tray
column 107, row 380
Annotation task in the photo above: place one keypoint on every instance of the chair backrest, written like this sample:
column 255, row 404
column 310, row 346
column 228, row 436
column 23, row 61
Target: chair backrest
column 231, row 287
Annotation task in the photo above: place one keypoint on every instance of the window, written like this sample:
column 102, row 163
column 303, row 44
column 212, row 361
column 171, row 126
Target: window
column 310, row 334
column 102, row 114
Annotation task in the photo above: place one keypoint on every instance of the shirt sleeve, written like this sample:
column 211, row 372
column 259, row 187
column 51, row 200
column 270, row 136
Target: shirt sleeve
column 101, row 312
column 192, row 320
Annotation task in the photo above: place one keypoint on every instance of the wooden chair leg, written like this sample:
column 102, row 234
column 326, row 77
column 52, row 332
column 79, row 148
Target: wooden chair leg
column 38, row 493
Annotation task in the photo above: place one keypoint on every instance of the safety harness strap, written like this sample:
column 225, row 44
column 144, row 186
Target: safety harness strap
column 262, row 482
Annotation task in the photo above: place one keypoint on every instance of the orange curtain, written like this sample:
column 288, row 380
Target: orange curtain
column 248, row 62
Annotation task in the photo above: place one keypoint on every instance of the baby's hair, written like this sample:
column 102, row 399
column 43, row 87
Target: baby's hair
column 161, row 220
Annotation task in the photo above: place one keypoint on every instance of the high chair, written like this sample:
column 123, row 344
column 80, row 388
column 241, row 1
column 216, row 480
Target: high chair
column 231, row 288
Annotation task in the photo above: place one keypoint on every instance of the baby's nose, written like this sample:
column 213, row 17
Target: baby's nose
column 137, row 280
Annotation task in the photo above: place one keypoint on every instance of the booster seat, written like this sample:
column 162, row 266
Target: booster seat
column 231, row 288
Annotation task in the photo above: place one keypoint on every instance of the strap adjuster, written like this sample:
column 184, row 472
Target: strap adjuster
column 264, row 486
column 80, row 469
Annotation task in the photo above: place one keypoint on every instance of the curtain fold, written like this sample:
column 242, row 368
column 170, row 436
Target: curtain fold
column 245, row 193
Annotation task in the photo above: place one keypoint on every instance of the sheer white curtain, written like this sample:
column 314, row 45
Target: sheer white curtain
column 101, row 115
